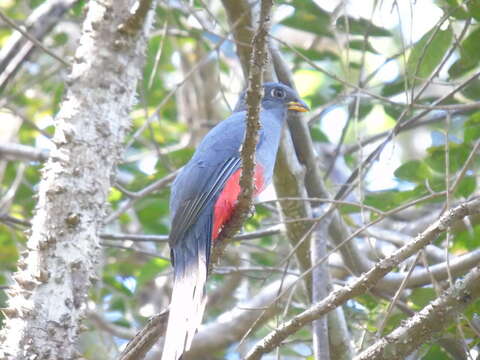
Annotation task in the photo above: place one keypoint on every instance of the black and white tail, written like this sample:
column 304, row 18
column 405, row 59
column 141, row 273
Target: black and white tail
column 187, row 304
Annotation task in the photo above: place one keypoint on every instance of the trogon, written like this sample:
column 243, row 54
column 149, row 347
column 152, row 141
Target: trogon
column 203, row 199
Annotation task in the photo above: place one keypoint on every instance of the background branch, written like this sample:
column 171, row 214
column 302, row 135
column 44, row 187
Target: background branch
column 19, row 48
column 366, row 281
column 421, row 327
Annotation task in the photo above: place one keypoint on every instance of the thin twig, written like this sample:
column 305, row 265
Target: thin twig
column 254, row 95
column 33, row 39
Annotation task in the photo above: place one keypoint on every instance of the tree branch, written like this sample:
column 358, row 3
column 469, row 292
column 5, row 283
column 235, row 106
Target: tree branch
column 63, row 249
column 134, row 23
column 320, row 289
column 14, row 151
column 274, row 230
column 143, row 341
column 313, row 180
column 288, row 179
column 232, row 326
column 366, row 281
column 22, row 42
column 229, row 327
column 243, row 30
column 258, row 59
column 426, row 323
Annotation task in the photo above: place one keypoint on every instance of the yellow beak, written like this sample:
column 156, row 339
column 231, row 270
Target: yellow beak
column 299, row 106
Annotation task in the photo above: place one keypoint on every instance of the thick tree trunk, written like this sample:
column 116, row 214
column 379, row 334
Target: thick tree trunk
column 47, row 302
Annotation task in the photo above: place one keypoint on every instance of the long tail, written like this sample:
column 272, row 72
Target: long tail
column 187, row 304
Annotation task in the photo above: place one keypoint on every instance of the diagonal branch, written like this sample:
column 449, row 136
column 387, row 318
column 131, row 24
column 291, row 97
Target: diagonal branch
column 228, row 329
column 22, row 42
column 138, row 347
column 422, row 326
column 365, row 282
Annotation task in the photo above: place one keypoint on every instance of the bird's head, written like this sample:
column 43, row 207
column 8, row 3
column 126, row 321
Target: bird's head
column 279, row 95
column 276, row 96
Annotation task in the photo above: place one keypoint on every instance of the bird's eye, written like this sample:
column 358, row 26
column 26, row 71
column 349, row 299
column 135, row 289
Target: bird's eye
column 278, row 93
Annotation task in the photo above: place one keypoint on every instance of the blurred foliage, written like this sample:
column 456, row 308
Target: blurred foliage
column 191, row 80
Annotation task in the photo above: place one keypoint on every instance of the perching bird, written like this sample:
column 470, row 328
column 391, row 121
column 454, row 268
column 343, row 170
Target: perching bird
column 203, row 199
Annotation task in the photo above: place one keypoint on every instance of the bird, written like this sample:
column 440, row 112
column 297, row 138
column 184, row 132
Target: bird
column 203, row 199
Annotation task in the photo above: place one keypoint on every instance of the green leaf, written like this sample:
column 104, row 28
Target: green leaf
column 79, row 8
column 414, row 171
column 114, row 282
column 361, row 45
column 460, row 67
column 471, row 128
column 458, row 154
column 466, row 240
column 180, row 157
column 364, row 109
column 369, row 301
column 472, row 90
column 393, row 111
column 152, row 213
column 453, row 8
column 394, row 321
column 474, row 9
column 150, row 270
column 435, row 352
column 466, row 187
column 9, row 252
column 309, row 17
column 318, row 135
column 427, row 53
column 314, row 55
column 117, row 303
column 421, row 297
column 360, row 27
column 394, row 87
column 389, row 199
column 469, row 54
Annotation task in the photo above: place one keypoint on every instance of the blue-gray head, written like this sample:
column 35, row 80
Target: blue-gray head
column 276, row 96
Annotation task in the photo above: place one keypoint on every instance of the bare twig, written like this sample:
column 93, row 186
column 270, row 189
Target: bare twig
column 274, row 230
column 258, row 60
column 428, row 121
column 103, row 324
column 32, row 39
column 23, row 152
column 18, row 47
column 135, row 196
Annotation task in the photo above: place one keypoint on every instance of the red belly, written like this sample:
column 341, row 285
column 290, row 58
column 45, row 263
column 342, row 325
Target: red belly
column 227, row 200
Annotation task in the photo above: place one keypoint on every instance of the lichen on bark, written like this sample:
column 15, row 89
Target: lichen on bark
column 47, row 300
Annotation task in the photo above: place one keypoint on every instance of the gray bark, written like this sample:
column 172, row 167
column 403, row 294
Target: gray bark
column 428, row 322
column 47, row 301
column 341, row 347
column 321, row 286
